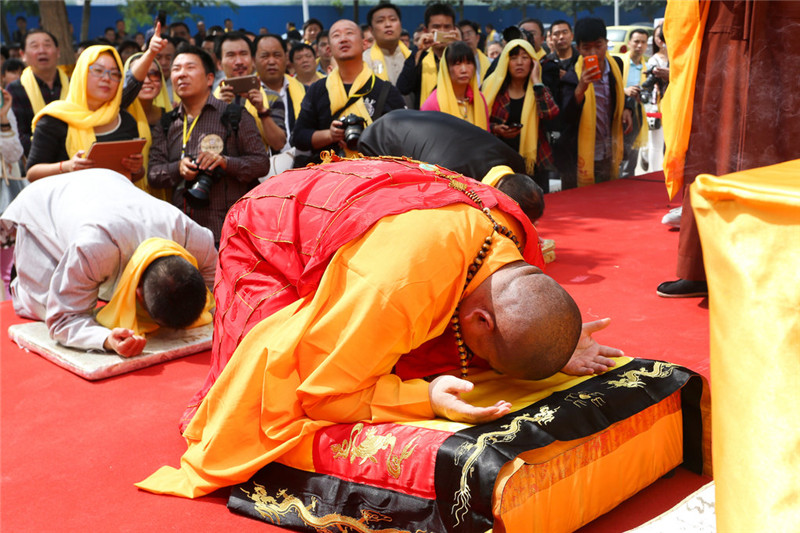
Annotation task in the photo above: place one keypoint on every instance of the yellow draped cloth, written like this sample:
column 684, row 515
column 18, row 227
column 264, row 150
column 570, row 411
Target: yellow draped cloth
column 684, row 23
column 339, row 97
column 137, row 111
column 641, row 138
column 483, row 64
column 477, row 112
column 495, row 173
column 588, row 126
column 327, row 358
column 429, row 76
column 250, row 108
column 28, row 82
column 749, row 224
column 540, row 54
column 376, row 55
column 529, row 136
column 123, row 311
column 297, row 92
column 74, row 109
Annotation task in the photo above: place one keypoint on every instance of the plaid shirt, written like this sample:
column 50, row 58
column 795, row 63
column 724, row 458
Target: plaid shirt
column 247, row 161
column 547, row 109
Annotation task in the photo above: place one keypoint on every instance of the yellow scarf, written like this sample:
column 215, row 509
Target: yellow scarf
column 539, row 55
column 297, row 92
column 137, row 111
column 588, row 125
column 529, row 136
column 250, row 108
column 74, row 109
column 123, row 311
column 376, row 55
column 28, row 81
column 338, row 96
column 641, row 139
column 429, row 76
column 684, row 24
column 446, row 98
column 495, row 173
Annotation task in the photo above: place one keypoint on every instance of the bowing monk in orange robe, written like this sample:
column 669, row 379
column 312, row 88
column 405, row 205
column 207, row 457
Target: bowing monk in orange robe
column 380, row 260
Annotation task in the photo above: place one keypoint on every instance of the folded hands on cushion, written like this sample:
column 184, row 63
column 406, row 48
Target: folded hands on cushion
column 589, row 357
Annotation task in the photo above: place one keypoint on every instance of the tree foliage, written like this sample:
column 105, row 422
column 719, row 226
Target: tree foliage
column 139, row 13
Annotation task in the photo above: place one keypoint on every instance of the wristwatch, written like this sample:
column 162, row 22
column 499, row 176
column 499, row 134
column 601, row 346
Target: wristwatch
column 265, row 113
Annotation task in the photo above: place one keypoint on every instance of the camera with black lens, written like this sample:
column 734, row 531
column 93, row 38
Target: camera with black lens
column 198, row 192
column 648, row 86
column 353, row 127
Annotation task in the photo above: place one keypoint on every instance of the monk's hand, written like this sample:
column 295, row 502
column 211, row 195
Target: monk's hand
column 445, row 395
column 591, row 357
column 124, row 342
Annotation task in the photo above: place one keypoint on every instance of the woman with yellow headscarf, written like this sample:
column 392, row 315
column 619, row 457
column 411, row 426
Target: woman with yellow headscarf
column 147, row 109
column 93, row 111
column 517, row 100
column 456, row 90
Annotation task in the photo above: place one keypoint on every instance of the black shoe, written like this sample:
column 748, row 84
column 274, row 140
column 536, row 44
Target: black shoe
column 682, row 288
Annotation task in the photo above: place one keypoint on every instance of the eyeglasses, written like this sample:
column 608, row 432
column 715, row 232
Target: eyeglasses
column 99, row 72
column 154, row 76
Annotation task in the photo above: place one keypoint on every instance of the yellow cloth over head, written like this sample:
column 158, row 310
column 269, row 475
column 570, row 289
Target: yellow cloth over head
column 429, row 76
column 75, row 110
column 684, row 23
column 137, row 112
column 297, row 91
column 376, row 54
column 529, row 136
column 446, row 97
column 492, row 178
column 483, row 63
column 588, row 126
column 749, row 224
column 641, row 138
column 123, row 311
column 28, row 82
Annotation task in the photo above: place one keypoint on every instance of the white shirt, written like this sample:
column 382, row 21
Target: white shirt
column 75, row 234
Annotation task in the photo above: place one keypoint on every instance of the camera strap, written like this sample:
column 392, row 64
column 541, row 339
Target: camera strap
column 363, row 91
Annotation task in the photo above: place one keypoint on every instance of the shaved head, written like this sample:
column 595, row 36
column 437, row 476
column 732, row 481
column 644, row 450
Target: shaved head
column 522, row 321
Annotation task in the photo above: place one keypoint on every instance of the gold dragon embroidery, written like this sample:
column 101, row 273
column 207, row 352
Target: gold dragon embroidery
column 633, row 378
column 269, row 507
column 507, row 433
column 369, row 447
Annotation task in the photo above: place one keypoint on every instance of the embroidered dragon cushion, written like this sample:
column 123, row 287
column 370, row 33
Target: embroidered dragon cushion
column 571, row 449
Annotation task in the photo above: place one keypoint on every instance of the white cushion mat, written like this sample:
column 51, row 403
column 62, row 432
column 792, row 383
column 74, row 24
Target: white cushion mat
column 163, row 345
column 695, row 514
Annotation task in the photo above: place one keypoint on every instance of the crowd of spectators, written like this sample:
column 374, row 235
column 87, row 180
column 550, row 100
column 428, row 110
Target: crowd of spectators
column 219, row 107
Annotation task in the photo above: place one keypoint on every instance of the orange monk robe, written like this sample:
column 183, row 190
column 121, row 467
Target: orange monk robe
column 328, row 358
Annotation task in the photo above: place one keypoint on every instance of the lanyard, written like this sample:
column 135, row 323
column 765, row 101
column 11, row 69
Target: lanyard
column 188, row 134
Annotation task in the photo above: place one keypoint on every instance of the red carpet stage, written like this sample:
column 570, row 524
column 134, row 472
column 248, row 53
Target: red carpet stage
column 70, row 450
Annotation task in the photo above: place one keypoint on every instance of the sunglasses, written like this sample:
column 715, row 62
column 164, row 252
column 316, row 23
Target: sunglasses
column 154, row 76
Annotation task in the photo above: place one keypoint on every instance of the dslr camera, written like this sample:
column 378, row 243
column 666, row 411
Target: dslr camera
column 198, row 192
column 353, row 127
column 647, row 88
